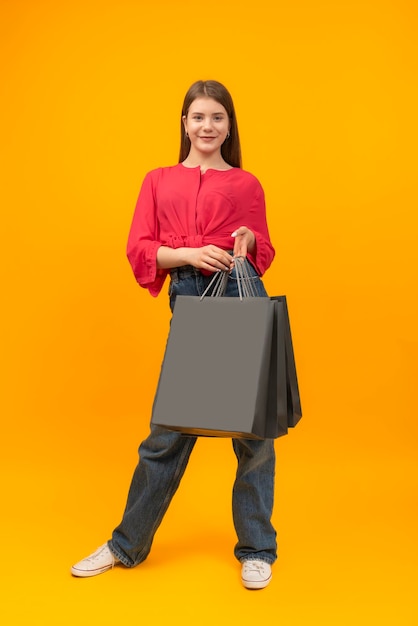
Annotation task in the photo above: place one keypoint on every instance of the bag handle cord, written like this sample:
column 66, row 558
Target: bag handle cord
column 220, row 281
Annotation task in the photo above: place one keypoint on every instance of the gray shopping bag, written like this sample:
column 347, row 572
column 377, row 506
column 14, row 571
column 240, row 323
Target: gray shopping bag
column 224, row 369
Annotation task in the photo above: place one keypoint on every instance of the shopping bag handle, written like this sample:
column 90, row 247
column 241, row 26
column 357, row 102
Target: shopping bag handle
column 244, row 282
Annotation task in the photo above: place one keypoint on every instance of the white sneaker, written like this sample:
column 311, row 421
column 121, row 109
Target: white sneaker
column 255, row 574
column 97, row 563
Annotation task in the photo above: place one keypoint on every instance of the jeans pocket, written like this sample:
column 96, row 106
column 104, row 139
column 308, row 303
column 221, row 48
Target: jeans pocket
column 172, row 293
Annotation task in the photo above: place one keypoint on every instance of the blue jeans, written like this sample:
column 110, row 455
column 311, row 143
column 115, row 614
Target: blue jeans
column 163, row 458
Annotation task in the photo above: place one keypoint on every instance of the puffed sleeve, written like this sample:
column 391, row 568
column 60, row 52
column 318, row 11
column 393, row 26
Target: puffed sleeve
column 264, row 251
column 143, row 239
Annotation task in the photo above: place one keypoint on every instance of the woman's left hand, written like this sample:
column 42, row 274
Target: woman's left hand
column 244, row 241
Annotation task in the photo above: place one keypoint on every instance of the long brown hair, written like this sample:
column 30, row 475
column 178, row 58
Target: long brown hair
column 231, row 148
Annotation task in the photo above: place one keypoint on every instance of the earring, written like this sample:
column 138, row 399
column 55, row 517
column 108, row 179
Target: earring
column 228, row 135
column 187, row 134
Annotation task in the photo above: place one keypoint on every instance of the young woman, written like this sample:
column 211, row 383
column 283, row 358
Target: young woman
column 191, row 220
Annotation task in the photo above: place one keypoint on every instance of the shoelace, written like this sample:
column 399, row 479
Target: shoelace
column 251, row 566
column 96, row 555
column 254, row 565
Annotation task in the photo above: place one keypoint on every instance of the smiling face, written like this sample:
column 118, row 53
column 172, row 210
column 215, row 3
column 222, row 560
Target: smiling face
column 207, row 125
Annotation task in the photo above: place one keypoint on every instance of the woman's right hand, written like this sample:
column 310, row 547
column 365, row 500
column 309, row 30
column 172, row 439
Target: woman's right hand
column 210, row 258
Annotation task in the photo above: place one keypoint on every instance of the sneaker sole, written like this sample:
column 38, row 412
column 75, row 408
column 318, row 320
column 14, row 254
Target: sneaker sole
column 253, row 584
column 79, row 573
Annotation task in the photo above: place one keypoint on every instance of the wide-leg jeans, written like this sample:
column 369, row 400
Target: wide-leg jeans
column 163, row 458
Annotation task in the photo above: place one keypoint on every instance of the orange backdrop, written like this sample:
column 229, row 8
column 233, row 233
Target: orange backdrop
column 326, row 97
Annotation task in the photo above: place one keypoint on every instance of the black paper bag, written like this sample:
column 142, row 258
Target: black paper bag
column 224, row 369
column 294, row 407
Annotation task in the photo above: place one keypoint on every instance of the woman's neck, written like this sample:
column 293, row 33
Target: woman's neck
column 215, row 162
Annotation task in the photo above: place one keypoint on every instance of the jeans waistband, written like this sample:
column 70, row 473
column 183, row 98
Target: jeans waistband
column 177, row 273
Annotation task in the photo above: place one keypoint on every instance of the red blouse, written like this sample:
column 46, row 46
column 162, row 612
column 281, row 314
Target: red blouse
column 179, row 206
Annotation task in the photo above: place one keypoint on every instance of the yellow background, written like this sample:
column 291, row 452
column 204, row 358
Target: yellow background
column 326, row 98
